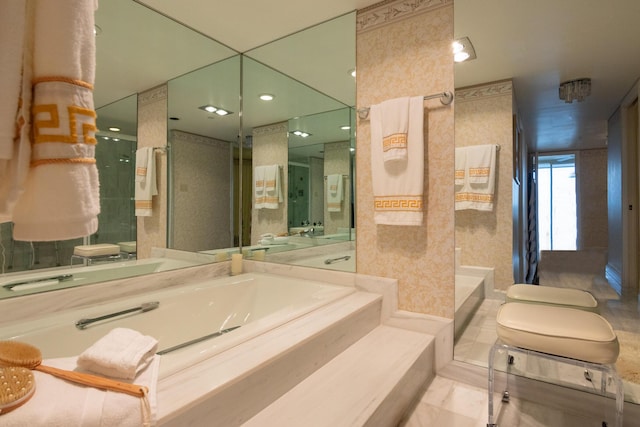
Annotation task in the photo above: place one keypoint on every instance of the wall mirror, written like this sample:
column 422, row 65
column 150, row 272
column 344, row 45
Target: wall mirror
column 527, row 51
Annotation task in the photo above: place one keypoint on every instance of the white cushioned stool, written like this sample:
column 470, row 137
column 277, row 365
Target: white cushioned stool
column 101, row 251
column 564, row 297
column 566, row 335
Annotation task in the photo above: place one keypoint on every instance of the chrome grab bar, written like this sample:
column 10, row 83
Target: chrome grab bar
column 60, row 278
column 197, row 340
column 147, row 306
column 342, row 258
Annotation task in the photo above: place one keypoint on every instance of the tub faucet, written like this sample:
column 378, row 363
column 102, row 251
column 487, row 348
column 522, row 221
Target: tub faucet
column 308, row 232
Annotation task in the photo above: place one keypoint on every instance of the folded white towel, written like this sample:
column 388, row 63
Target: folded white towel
column 478, row 192
column 61, row 195
column 335, row 193
column 394, row 116
column 122, row 353
column 258, row 187
column 57, row 402
column 481, row 159
column 398, row 186
column 267, row 186
column 147, row 188
column 16, row 44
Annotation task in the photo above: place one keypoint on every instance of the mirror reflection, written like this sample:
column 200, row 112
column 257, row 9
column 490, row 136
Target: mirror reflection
column 558, row 216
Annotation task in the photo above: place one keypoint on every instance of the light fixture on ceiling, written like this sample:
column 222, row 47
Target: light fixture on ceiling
column 114, row 129
column 301, row 134
column 577, row 89
column 352, row 72
column 345, row 127
column 217, row 110
column 266, row 97
column 463, row 50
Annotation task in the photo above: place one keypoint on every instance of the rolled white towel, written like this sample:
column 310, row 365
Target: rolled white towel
column 122, row 353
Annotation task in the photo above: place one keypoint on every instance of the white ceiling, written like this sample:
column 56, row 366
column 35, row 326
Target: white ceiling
column 536, row 43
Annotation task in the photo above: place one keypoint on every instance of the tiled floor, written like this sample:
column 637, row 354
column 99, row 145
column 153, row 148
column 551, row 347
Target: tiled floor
column 448, row 403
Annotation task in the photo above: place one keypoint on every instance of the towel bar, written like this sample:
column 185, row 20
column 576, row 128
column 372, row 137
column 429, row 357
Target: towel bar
column 446, row 98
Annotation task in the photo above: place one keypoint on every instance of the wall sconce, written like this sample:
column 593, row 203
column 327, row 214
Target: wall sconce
column 575, row 89
column 463, row 50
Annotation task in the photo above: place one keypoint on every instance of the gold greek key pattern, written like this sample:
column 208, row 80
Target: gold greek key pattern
column 479, row 172
column 474, row 197
column 337, row 205
column 267, row 199
column 76, row 160
column 459, row 173
column 141, row 171
column 143, row 204
column 398, row 203
column 333, row 188
column 259, row 184
column 397, row 140
column 74, row 82
column 84, row 117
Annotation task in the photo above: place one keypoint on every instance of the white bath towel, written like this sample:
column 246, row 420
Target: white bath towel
column 61, row 193
column 398, row 187
column 121, row 353
column 480, row 162
column 57, row 402
column 146, row 188
column 267, row 187
column 478, row 193
column 142, row 163
column 394, row 117
column 335, row 192
column 460, row 165
column 16, row 57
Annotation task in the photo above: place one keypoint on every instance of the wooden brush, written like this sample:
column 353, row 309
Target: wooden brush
column 15, row 353
column 17, row 385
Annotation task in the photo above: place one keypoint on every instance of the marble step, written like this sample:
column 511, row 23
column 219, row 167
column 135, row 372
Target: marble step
column 230, row 388
column 372, row 383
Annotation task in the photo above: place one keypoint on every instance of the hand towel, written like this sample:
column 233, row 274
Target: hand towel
column 394, row 116
column 460, row 165
column 271, row 196
column 59, row 403
column 398, row 187
column 334, row 193
column 258, row 187
column 476, row 194
column 16, row 57
column 142, row 161
column 147, row 188
column 481, row 159
column 61, row 193
column 121, row 353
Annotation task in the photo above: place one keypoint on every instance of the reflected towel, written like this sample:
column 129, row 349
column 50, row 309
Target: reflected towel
column 335, row 193
column 398, row 187
column 460, row 165
column 268, row 190
column 147, row 188
column 122, row 353
column 57, row 402
column 61, row 193
column 394, row 117
column 480, row 162
column 478, row 193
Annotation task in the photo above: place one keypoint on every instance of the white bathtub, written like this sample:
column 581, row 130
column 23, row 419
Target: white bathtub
column 82, row 275
column 469, row 293
column 257, row 302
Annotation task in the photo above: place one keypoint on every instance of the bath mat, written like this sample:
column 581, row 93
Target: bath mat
column 628, row 364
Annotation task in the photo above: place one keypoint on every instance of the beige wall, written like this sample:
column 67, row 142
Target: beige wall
column 592, row 183
column 152, row 132
column 484, row 115
column 201, row 177
column 270, row 147
column 404, row 49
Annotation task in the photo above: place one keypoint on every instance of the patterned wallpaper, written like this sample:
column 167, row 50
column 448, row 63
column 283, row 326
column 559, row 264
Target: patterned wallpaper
column 404, row 49
column 484, row 115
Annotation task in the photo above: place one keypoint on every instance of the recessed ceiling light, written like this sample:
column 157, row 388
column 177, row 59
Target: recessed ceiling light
column 463, row 50
column 352, row 72
column 97, row 30
column 345, row 127
column 266, row 97
column 301, row 134
column 114, row 129
column 221, row 112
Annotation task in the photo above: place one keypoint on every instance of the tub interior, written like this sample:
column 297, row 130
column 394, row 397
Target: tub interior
column 256, row 302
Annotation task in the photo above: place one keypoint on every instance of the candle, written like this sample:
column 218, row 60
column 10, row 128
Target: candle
column 236, row 264
column 259, row 255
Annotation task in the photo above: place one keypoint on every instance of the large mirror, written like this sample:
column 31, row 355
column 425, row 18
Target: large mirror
column 558, row 217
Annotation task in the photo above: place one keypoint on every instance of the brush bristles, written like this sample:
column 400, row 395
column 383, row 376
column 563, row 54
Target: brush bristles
column 16, row 387
column 15, row 353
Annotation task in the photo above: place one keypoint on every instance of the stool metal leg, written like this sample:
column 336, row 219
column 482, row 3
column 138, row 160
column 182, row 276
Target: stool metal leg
column 491, row 373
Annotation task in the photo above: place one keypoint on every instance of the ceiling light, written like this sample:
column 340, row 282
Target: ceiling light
column 97, row 30
column 114, row 129
column 352, row 72
column 463, row 50
column 345, row 127
column 212, row 109
column 222, row 112
column 301, row 134
column 267, row 97
column 577, row 89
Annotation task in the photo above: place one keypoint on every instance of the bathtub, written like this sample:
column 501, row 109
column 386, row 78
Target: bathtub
column 256, row 302
column 469, row 294
column 46, row 279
